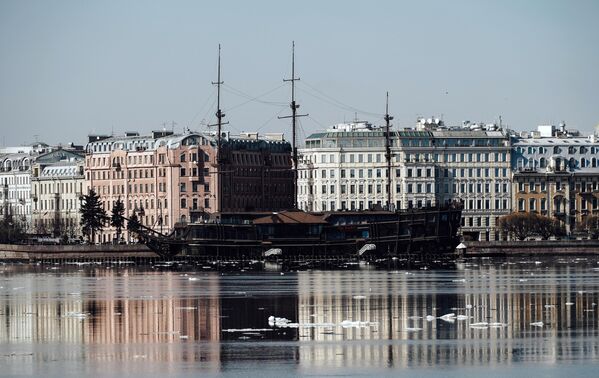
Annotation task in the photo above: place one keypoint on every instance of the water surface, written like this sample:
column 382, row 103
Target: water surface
column 106, row 320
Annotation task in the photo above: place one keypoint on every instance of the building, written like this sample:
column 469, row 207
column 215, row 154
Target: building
column 345, row 168
column 56, row 188
column 15, row 186
column 165, row 178
column 556, row 173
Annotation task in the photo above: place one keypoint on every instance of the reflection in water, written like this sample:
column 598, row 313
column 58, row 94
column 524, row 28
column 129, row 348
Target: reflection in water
column 168, row 321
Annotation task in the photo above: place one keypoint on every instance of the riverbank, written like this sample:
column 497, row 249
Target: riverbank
column 19, row 252
column 57, row 253
column 529, row 248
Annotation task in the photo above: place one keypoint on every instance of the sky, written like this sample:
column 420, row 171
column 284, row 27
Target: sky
column 73, row 68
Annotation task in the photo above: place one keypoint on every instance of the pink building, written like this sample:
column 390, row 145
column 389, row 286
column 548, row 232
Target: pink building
column 166, row 178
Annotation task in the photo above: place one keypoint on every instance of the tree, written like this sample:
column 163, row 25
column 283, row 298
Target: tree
column 524, row 225
column 546, row 227
column 93, row 215
column 589, row 225
column 518, row 225
column 133, row 225
column 116, row 220
column 10, row 230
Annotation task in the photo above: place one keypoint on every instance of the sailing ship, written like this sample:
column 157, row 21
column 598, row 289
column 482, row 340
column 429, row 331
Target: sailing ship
column 294, row 233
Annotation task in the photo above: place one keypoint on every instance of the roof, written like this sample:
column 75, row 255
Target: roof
column 290, row 217
column 61, row 169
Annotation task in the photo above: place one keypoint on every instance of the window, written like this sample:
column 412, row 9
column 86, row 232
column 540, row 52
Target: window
column 183, row 203
column 532, row 204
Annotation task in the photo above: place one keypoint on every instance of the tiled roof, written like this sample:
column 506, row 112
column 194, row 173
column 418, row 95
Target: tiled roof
column 290, row 217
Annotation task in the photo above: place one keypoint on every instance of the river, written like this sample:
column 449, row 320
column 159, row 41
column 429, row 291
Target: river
column 520, row 317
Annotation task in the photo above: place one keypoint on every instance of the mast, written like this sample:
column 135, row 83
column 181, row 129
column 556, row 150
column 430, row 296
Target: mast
column 219, row 114
column 293, row 117
column 388, row 118
column 219, row 123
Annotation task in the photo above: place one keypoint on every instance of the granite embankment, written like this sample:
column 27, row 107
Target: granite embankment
column 75, row 252
column 19, row 252
column 531, row 247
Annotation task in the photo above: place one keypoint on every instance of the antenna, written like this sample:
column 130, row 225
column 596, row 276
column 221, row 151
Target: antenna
column 219, row 114
column 293, row 117
column 173, row 124
column 388, row 118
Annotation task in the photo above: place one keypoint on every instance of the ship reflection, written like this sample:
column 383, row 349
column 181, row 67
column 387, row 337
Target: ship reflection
column 358, row 319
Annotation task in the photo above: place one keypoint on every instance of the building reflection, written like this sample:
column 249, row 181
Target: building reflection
column 125, row 316
column 395, row 302
column 150, row 316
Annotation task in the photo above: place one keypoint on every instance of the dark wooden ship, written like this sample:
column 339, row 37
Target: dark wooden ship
column 298, row 234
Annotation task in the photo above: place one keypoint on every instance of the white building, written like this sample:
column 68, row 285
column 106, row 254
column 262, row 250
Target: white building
column 345, row 168
column 15, row 186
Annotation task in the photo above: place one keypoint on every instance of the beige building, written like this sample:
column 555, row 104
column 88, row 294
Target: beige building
column 56, row 188
column 556, row 173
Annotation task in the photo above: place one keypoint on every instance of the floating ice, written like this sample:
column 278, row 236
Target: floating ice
column 569, row 304
column 460, row 280
column 247, row 330
column 430, row 318
column 448, row 317
column 359, row 297
column 414, row 317
column 75, row 314
column 468, row 306
column 537, row 324
column 479, row 324
column 497, row 325
column 412, row 329
column 354, row 324
column 462, row 317
column 193, row 278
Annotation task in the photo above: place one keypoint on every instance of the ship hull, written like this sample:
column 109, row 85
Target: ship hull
column 366, row 235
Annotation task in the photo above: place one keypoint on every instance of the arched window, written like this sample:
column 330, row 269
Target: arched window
column 542, row 162
column 594, row 162
column 556, row 150
column 573, row 163
column 532, row 204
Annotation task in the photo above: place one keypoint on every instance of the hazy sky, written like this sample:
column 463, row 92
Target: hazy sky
column 70, row 68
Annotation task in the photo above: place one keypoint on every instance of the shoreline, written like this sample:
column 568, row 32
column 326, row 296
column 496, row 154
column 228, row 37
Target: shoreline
column 55, row 253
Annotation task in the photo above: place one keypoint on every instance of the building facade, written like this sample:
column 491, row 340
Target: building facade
column 57, row 183
column 345, row 168
column 556, row 173
column 165, row 178
column 15, row 186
